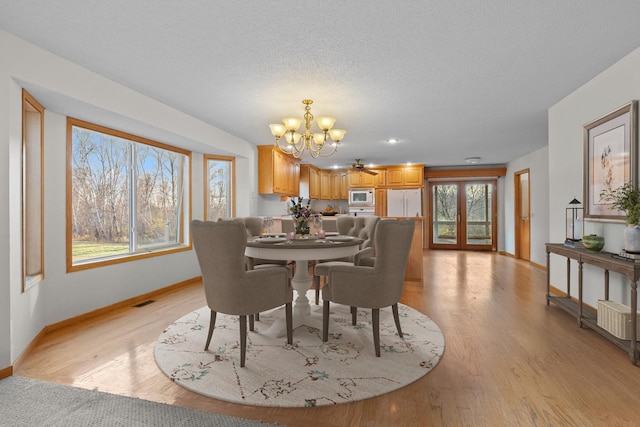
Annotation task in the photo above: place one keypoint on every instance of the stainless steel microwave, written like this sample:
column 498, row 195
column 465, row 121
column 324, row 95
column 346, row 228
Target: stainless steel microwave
column 364, row 197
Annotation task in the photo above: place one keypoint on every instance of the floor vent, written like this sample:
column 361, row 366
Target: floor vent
column 142, row 304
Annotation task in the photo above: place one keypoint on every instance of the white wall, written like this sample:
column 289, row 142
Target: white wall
column 5, row 312
column 538, row 165
column 616, row 86
column 67, row 89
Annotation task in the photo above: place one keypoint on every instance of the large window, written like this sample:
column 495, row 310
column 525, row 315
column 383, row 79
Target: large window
column 126, row 196
column 32, row 191
column 219, row 187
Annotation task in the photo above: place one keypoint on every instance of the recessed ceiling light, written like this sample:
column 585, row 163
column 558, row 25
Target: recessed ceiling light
column 392, row 140
column 472, row 160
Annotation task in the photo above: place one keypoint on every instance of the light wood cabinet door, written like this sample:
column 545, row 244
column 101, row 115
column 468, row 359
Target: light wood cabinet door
column 314, row 186
column 381, row 202
column 325, row 185
column 354, row 179
column 293, row 178
column 395, row 177
column 335, row 185
column 380, row 180
column 280, row 173
column 367, row 180
column 344, row 185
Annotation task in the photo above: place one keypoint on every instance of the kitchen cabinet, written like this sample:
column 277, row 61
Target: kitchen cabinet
column 361, row 180
column 344, row 185
column 335, row 185
column 365, row 180
column 381, row 202
column 278, row 172
column 325, row 185
column 405, row 176
column 380, row 180
column 309, row 182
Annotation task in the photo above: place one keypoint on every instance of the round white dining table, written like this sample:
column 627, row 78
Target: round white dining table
column 301, row 251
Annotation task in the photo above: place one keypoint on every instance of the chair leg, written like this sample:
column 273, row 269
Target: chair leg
column 354, row 316
column 212, row 324
column 289, row 313
column 316, row 283
column 257, row 317
column 243, row 339
column 251, row 324
column 396, row 318
column 375, row 318
column 325, row 321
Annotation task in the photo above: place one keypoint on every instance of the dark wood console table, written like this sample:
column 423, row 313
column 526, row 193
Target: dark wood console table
column 605, row 261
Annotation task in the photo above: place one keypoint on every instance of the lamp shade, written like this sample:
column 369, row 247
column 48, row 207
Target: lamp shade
column 337, row 134
column 292, row 123
column 319, row 138
column 325, row 123
column 277, row 130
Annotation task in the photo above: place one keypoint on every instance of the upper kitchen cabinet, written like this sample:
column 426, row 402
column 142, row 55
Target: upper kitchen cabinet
column 278, row 173
column 361, row 180
column 325, row 184
column 380, row 180
column 405, row 176
column 365, row 180
column 344, row 185
column 339, row 187
column 309, row 182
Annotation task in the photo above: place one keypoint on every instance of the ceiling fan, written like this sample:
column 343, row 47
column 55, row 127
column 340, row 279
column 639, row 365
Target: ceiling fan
column 359, row 167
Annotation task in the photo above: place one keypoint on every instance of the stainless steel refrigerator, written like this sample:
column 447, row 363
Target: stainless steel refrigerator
column 404, row 202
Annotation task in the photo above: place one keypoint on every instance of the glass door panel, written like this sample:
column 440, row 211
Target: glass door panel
column 479, row 229
column 445, row 214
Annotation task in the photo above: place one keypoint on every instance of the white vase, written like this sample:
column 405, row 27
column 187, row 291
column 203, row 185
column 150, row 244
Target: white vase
column 632, row 238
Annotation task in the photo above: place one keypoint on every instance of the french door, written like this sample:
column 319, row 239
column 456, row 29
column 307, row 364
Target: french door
column 463, row 215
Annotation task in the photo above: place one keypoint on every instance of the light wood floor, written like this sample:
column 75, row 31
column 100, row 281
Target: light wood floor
column 510, row 360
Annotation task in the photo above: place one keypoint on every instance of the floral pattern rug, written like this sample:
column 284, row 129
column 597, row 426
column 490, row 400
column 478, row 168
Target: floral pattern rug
column 307, row 373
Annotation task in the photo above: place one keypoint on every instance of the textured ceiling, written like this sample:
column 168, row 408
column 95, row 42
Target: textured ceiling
column 450, row 79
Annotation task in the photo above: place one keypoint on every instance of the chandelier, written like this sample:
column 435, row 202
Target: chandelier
column 317, row 143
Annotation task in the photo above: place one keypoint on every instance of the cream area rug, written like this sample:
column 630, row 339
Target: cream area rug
column 307, row 373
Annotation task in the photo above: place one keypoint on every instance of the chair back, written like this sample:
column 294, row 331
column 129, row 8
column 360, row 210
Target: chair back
column 392, row 246
column 253, row 225
column 220, row 247
column 363, row 227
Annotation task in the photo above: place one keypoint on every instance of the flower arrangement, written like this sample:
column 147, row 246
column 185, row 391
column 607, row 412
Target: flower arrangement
column 301, row 214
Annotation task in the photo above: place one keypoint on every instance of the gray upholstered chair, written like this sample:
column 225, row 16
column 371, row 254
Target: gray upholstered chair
column 231, row 289
column 373, row 287
column 363, row 227
column 253, row 224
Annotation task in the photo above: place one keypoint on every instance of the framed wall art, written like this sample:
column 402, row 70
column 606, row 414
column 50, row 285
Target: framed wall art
column 610, row 144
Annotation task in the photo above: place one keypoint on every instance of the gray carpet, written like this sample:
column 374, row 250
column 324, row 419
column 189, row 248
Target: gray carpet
column 31, row 403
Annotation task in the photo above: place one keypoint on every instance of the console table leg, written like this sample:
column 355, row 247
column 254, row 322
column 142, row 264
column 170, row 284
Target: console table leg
column 580, row 293
column 548, row 275
column 634, row 322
